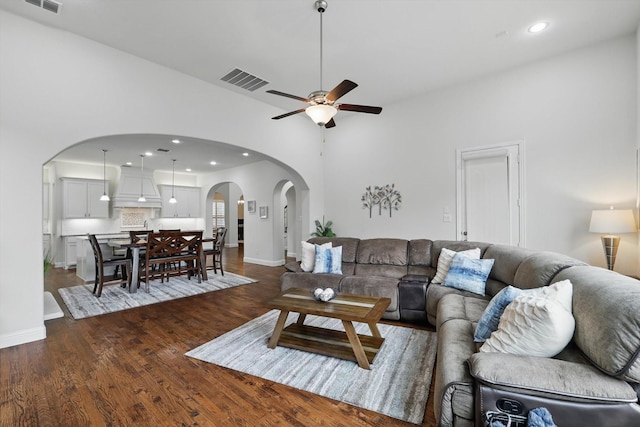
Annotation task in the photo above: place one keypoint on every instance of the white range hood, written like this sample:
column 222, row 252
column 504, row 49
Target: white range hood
column 128, row 191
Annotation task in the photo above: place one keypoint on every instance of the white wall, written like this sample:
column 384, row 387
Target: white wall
column 576, row 114
column 59, row 89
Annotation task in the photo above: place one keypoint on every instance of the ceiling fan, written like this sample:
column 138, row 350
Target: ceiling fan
column 322, row 104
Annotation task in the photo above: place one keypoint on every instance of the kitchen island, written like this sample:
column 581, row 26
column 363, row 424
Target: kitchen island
column 85, row 261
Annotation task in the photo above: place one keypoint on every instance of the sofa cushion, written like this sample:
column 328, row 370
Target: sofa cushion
column 508, row 259
column 540, row 268
column 436, row 292
column 308, row 259
column 456, row 246
column 373, row 286
column 349, row 246
column 445, row 259
column 537, row 323
column 491, row 316
column 606, row 306
column 328, row 260
column 420, row 257
column 456, row 306
column 293, row 266
column 382, row 251
column 561, row 379
column 453, row 385
column 468, row 274
column 349, row 249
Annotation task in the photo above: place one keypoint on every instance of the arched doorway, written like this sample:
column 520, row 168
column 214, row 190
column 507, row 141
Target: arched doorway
column 223, row 207
column 286, row 224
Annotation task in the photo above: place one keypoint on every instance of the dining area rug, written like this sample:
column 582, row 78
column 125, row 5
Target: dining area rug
column 82, row 303
column 397, row 384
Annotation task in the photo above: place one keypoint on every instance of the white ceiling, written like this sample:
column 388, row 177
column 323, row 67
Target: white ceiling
column 394, row 49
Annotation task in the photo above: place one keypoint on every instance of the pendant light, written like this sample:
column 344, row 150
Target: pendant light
column 141, row 198
column 173, row 183
column 105, row 196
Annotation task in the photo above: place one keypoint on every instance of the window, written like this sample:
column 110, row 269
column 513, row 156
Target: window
column 218, row 214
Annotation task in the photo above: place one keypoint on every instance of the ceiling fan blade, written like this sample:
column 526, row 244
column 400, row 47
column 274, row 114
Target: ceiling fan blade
column 360, row 108
column 299, row 98
column 330, row 124
column 340, row 90
column 291, row 113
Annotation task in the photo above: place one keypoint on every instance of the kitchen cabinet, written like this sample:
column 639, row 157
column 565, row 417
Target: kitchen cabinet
column 81, row 198
column 70, row 243
column 188, row 205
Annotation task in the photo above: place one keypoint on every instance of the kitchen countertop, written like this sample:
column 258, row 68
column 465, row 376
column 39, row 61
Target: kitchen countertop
column 122, row 234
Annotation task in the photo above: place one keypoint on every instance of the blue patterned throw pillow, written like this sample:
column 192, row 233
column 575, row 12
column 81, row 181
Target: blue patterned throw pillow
column 490, row 318
column 328, row 260
column 468, row 274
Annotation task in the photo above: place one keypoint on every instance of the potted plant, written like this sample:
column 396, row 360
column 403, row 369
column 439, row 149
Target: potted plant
column 47, row 263
column 324, row 229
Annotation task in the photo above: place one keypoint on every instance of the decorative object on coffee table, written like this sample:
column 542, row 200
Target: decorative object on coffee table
column 323, row 295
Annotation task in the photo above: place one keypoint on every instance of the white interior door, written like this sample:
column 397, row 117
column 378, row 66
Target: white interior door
column 489, row 196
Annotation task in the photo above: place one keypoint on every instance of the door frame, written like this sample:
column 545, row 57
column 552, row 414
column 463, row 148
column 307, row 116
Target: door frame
column 490, row 151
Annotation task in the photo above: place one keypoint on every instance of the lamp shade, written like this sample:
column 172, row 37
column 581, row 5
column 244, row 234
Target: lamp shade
column 612, row 221
column 321, row 113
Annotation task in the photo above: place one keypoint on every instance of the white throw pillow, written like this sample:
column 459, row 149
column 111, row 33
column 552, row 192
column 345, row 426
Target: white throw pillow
column 538, row 324
column 445, row 258
column 309, row 255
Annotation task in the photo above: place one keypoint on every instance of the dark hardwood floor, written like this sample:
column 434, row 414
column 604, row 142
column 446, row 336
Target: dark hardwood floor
column 129, row 368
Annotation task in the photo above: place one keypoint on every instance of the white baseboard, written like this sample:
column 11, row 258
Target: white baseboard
column 22, row 337
column 268, row 263
column 292, row 255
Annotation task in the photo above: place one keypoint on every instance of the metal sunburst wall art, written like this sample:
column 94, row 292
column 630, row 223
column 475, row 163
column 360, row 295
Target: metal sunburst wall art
column 384, row 197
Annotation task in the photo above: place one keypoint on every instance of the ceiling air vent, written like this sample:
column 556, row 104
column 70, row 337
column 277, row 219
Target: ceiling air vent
column 244, row 80
column 50, row 5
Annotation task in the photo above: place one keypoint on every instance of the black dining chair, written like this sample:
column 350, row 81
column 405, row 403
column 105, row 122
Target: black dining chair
column 101, row 263
column 216, row 251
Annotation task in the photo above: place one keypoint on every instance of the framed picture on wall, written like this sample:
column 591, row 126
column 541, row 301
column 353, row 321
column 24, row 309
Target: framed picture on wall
column 264, row 212
column 251, row 206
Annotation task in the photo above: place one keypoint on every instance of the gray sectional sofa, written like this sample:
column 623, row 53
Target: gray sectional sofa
column 593, row 381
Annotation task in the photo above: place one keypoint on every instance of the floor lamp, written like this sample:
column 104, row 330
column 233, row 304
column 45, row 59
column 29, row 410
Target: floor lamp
column 612, row 221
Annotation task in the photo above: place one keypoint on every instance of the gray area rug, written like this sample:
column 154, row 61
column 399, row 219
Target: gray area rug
column 82, row 303
column 397, row 384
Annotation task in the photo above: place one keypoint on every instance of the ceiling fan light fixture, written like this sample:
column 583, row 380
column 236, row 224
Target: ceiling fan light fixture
column 321, row 113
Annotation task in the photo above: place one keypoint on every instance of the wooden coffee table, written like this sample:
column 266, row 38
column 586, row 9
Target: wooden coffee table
column 347, row 307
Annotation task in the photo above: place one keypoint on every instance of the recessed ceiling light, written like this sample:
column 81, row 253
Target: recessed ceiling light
column 129, row 163
column 212, row 163
column 188, row 169
column 245, row 154
column 148, row 154
column 538, row 26
column 176, row 141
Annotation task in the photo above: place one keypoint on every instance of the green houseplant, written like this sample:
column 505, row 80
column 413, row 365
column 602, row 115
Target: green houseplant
column 323, row 229
column 48, row 263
